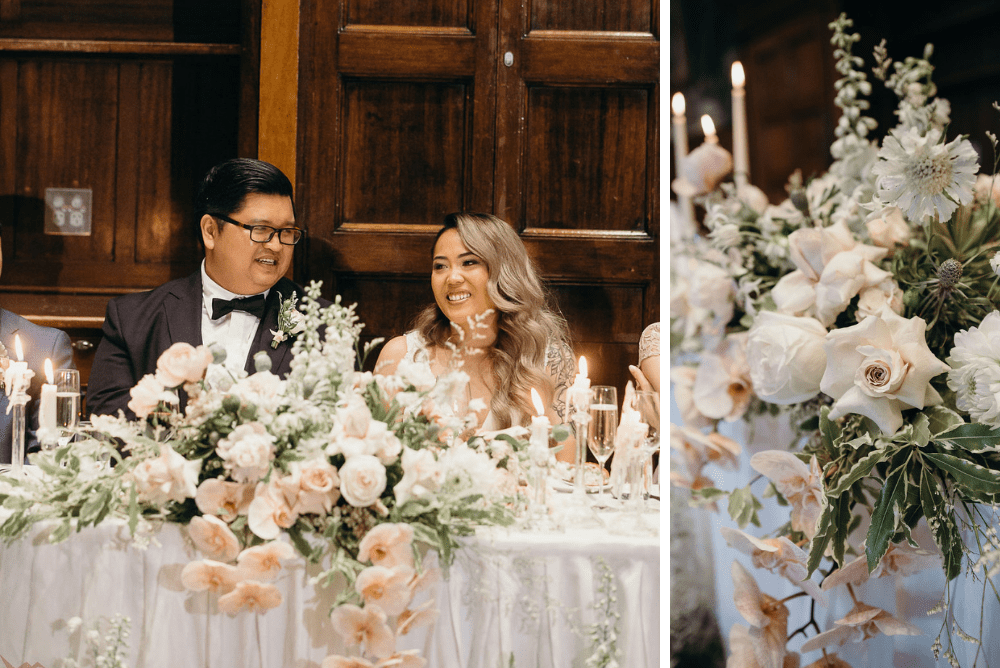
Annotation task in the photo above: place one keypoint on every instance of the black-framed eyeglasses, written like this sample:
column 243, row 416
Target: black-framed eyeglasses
column 262, row 234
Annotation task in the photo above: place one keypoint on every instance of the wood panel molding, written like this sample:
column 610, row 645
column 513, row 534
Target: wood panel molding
column 279, row 85
column 116, row 48
column 607, row 60
column 431, row 52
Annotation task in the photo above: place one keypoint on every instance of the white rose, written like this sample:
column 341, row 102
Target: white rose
column 182, row 363
column 753, row 197
column 362, row 480
column 786, row 357
column 883, row 366
column 354, row 417
column 247, row 452
column 844, row 276
column 871, row 300
column 421, row 475
column 712, row 288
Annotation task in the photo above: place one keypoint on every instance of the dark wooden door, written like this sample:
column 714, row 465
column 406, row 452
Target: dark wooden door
column 577, row 161
column 542, row 112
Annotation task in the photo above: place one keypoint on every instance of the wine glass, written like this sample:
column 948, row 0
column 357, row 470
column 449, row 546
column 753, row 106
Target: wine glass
column 67, row 403
column 603, row 424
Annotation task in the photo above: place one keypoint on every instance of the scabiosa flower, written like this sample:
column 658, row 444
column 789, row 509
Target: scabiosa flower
column 921, row 174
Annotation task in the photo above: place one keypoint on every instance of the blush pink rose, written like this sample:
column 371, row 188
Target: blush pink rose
column 182, row 363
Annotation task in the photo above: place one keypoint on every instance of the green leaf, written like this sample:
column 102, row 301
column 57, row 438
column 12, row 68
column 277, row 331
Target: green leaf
column 967, row 474
column 941, row 419
column 941, row 523
column 972, row 437
column 839, row 528
column 743, row 507
column 819, row 542
column 884, row 518
column 133, row 510
column 858, row 470
column 828, row 429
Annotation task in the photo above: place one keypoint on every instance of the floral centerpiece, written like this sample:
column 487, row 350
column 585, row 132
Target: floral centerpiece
column 863, row 308
column 349, row 470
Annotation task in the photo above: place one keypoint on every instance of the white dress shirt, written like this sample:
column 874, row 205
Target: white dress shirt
column 234, row 331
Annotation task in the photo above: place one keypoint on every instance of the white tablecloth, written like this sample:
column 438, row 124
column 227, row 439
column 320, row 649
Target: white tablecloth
column 510, row 593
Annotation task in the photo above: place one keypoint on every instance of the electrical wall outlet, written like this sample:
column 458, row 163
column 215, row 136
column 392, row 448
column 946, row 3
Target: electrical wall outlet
column 67, row 211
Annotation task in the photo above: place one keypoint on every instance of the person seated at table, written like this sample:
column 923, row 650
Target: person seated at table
column 246, row 218
column 37, row 344
column 647, row 374
column 491, row 315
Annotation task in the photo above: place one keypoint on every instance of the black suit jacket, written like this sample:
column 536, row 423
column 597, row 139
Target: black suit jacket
column 139, row 327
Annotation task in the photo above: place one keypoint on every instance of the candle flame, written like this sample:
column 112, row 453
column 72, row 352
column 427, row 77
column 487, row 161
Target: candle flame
column 536, row 399
column 707, row 126
column 739, row 78
column 48, row 371
column 583, row 366
column 677, row 104
column 17, row 348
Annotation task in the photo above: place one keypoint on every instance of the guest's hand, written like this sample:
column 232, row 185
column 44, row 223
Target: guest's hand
column 642, row 383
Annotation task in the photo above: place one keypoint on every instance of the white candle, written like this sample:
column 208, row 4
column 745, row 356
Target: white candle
column 678, row 106
column 16, row 377
column 708, row 127
column 539, row 442
column 578, row 394
column 47, row 408
column 741, row 150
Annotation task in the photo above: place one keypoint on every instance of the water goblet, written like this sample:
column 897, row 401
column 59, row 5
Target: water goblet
column 647, row 405
column 67, row 403
column 603, row 424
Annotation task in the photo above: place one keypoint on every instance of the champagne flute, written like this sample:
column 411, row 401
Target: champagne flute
column 67, row 403
column 603, row 424
column 647, row 405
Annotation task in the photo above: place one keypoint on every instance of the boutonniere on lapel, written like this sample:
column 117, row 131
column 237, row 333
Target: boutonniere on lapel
column 290, row 321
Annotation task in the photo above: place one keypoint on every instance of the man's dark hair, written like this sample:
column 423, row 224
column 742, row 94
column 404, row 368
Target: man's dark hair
column 226, row 186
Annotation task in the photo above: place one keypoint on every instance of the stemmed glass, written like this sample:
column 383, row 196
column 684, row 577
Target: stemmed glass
column 67, row 403
column 647, row 405
column 603, row 424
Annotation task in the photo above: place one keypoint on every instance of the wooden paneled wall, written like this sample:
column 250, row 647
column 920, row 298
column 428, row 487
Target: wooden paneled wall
column 387, row 115
column 411, row 112
column 135, row 100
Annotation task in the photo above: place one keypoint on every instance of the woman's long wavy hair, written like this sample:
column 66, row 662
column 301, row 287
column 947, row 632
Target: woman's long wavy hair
column 526, row 325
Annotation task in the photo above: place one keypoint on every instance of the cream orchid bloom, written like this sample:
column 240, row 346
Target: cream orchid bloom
column 387, row 545
column 722, row 387
column 214, row 537
column 210, row 575
column 389, row 588
column 224, row 499
column 742, row 654
column 424, row 613
column 778, row 555
column 768, row 619
column 899, row 559
column 861, row 623
column 263, row 562
column 364, row 625
column 801, row 485
column 249, row 595
column 337, row 661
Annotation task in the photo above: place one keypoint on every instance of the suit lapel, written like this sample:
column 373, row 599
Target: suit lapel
column 262, row 341
column 184, row 311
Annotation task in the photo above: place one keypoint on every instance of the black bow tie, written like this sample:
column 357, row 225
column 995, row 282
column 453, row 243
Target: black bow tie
column 252, row 305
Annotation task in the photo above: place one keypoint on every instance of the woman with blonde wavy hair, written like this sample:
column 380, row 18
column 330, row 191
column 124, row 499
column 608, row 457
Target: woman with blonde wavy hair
column 490, row 311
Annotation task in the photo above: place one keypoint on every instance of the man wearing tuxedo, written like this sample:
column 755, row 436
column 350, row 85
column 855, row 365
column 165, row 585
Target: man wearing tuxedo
column 246, row 217
column 38, row 344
